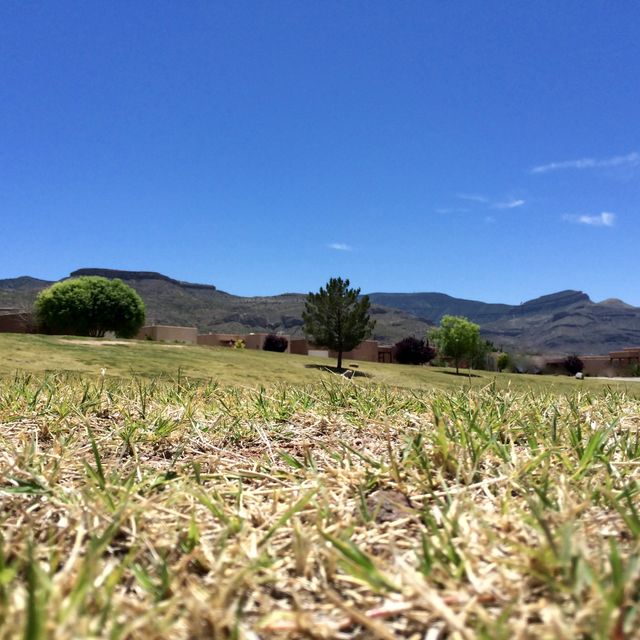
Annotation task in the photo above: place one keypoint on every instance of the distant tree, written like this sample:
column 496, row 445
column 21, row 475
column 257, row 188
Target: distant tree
column 413, row 351
column 504, row 361
column 273, row 342
column 457, row 338
column 337, row 317
column 480, row 356
column 573, row 364
column 90, row 306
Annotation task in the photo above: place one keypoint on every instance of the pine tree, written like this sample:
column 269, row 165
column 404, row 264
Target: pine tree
column 337, row 317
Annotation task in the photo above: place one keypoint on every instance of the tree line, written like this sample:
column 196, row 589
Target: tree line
column 336, row 317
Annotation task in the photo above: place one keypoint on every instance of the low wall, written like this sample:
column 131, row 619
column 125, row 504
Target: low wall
column 251, row 340
column 18, row 323
column 367, row 351
column 168, row 333
column 599, row 366
column 254, row 340
column 299, row 346
column 218, row 339
column 602, row 366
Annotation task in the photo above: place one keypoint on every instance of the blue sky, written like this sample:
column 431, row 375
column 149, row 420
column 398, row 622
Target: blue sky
column 489, row 150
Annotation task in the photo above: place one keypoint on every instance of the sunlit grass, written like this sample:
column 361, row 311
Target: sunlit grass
column 246, row 367
column 190, row 508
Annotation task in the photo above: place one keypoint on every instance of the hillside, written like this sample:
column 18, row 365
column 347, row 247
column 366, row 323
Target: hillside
column 563, row 322
column 171, row 301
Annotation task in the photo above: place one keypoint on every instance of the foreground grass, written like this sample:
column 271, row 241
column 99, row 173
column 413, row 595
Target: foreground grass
column 147, row 508
column 246, row 367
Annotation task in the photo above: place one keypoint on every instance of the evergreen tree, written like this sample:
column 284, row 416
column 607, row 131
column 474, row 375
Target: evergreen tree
column 337, row 317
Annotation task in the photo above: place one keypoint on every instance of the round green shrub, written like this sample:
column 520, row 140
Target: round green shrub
column 90, row 306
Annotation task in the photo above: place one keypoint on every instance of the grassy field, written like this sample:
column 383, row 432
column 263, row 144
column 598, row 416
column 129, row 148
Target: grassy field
column 203, row 505
column 124, row 358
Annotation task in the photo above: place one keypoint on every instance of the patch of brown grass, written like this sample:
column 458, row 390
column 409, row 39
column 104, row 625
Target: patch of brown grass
column 156, row 509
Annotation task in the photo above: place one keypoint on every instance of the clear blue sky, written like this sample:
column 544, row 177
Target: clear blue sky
column 489, row 150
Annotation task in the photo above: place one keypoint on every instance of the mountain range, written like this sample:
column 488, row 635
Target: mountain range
column 559, row 323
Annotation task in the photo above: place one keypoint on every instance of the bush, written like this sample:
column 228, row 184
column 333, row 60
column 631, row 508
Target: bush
column 275, row 343
column 573, row 364
column 90, row 306
column 503, row 362
column 413, row 351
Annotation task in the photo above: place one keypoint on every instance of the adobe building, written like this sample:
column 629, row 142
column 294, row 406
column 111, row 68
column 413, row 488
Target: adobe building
column 168, row 333
column 251, row 340
column 626, row 359
column 617, row 363
column 15, row 321
column 369, row 350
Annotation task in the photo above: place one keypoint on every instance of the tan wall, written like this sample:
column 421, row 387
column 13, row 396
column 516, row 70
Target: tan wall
column 623, row 362
column 251, row 340
column 367, row 351
column 299, row 346
column 17, row 323
column 254, row 340
column 606, row 366
column 218, row 339
column 632, row 354
column 598, row 366
column 168, row 333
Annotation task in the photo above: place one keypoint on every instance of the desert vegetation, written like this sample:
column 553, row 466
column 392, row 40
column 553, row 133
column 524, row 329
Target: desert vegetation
column 275, row 343
column 573, row 364
column 411, row 350
column 190, row 508
column 90, row 306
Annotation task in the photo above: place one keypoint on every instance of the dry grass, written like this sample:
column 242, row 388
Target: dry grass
column 181, row 509
column 247, row 367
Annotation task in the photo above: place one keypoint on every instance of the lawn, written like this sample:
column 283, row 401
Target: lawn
column 243, row 495
column 124, row 358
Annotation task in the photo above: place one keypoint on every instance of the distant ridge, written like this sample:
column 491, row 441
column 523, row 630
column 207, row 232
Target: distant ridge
column 136, row 275
column 559, row 323
column 25, row 283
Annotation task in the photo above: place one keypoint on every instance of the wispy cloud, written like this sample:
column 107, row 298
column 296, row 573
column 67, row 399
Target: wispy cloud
column 452, row 210
column 604, row 219
column 473, row 197
column 339, row 246
column 509, row 204
column 631, row 159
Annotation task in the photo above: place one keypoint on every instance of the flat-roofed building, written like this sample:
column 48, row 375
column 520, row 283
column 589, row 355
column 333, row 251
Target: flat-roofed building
column 168, row 333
